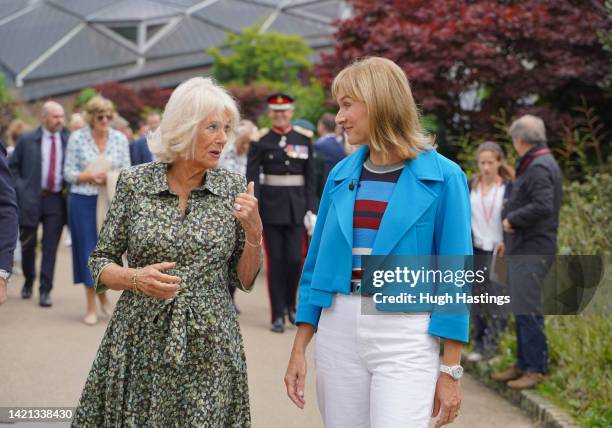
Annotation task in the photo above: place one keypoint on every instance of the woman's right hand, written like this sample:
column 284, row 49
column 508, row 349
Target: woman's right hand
column 295, row 378
column 152, row 281
column 99, row 178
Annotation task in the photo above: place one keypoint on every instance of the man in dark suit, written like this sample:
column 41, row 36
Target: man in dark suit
column 530, row 220
column 328, row 145
column 288, row 190
column 8, row 220
column 37, row 167
column 139, row 152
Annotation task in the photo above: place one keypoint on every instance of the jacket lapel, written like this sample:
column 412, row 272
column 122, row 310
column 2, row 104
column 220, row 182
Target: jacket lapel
column 343, row 197
column 410, row 199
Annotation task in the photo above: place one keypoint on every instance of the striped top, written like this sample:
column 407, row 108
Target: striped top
column 373, row 193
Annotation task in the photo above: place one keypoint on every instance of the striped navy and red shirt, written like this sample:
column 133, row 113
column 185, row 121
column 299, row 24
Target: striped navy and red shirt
column 373, row 193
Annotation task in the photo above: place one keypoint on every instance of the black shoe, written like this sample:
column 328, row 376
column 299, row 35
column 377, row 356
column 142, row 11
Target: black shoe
column 26, row 292
column 291, row 316
column 278, row 326
column 45, row 299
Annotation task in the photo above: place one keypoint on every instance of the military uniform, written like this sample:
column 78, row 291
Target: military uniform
column 281, row 166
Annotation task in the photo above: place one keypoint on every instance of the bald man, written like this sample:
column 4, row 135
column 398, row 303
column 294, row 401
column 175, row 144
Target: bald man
column 37, row 168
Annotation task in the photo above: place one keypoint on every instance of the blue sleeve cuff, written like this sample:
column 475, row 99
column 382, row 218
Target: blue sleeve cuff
column 307, row 313
column 454, row 327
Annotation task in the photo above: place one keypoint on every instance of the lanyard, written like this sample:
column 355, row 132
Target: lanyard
column 487, row 216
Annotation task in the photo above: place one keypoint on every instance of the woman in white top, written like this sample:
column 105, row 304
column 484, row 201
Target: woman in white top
column 97, row 144
column 488, row 189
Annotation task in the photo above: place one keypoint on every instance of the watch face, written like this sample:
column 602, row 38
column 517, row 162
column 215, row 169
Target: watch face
column 457, row 372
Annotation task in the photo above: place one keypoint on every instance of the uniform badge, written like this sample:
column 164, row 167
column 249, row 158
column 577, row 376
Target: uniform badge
column 297, row 151
column 283, row 142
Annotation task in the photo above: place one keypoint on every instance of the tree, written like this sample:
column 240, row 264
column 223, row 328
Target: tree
column 467, row 60
column 7, row 106
column 260, row 57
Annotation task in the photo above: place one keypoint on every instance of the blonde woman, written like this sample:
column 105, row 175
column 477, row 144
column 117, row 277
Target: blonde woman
column 172, row 354
column 394, row 195
column 92, row 151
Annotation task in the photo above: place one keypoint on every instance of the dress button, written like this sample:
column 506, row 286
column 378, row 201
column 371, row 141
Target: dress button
column 287, row 162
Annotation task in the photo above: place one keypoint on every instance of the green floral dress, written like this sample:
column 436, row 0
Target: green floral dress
column 177, row 362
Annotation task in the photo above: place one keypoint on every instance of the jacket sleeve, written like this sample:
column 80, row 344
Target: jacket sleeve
column 253, row 164
column 452, row 237
column 15, row 162
column 540, row 192
column 71, row 163
column 113, row 239
column 8, row 216
column 306, row 312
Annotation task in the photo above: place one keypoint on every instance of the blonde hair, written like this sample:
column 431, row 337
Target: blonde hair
column 393, row 118
column 97, row 104
column 190, row 103
column 15, row 129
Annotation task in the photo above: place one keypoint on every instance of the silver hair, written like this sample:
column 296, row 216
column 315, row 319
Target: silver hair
column 190, row 103
column 528, row 128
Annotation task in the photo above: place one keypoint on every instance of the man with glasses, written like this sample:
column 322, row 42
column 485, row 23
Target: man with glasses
column 37, row 167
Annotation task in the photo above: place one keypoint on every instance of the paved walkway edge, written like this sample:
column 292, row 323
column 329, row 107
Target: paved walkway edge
column 537, row 407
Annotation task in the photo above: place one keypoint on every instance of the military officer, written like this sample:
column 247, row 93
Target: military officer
column 281, row 165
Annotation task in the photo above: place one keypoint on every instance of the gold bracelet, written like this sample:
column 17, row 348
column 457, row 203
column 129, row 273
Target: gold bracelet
column 134, row 286
column 254, row 245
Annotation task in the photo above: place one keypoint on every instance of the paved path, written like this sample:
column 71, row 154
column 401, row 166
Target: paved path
column 45, row 355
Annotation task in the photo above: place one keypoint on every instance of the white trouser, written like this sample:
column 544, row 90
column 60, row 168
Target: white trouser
column 374, row 371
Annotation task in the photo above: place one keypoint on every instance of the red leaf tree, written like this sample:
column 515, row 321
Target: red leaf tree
column 468, row 59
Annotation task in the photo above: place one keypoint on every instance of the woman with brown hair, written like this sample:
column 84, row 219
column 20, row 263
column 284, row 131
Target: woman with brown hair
column 488, row 189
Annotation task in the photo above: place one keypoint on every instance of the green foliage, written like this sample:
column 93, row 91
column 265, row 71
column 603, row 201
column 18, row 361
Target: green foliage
column 260, row 57
column 585, row 226
column 84, row 96
column 5, row 95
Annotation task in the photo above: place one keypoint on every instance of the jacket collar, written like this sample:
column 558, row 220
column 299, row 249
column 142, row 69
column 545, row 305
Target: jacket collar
column 213, row 182
column 410, row 199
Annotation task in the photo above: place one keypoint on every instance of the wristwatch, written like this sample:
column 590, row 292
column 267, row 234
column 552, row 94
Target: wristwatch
column 5, row 274
column 453, row 371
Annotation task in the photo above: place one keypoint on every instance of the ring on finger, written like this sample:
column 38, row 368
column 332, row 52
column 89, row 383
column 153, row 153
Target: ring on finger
column 237, row 206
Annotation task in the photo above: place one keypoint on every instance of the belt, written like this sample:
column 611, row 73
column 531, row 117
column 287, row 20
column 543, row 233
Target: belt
column 283, row 180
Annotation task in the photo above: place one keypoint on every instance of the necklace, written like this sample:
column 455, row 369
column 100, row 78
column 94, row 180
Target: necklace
column 488, row 213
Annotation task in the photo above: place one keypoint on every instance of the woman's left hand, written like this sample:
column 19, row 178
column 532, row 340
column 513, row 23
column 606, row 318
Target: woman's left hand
column 447, row 400
column 246, row 210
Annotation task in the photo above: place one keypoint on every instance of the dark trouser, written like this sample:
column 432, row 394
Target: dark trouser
column 487, row 322
column 526, row 275
column 53, row 218
column 284, row 256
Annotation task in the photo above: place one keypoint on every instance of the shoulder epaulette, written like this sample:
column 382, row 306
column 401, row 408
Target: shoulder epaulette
column 305, row 132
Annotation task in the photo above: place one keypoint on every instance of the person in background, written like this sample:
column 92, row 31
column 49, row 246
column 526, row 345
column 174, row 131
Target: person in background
column 122, row 125
column 139, row 149
column 234, row 159
column 530, row 221
column 37, row 164
column 9, row 222
column 76, row 122
column 488, row 191
column 88, row 150
column 13, row 132
column 287, row 193
column 328, row 145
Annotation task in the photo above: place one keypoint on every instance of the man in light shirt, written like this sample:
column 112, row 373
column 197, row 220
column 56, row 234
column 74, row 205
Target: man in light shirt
column 37, row 168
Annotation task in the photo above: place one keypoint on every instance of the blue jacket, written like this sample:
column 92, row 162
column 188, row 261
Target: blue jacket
column 428, row 213
column 139, row 152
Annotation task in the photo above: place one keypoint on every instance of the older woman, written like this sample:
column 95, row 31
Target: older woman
column 172, row 354
column 91, row 152
column 395, row 195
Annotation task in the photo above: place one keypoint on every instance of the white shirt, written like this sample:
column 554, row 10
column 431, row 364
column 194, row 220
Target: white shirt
column 45, row 158
column 487, row 234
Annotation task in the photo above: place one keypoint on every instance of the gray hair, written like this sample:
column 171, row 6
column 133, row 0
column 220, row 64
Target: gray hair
column 528, row 128
column 190, row 103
